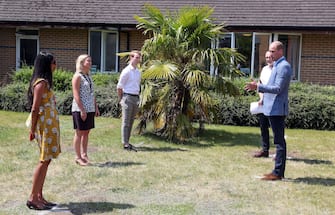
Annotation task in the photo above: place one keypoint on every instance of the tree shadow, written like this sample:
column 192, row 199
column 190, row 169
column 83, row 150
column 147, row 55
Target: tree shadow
column 212, row 137
column 311, row 161
column 116, row 164
column 160, row 149
column 316, row 181
column 81, row 208
column 224, row 138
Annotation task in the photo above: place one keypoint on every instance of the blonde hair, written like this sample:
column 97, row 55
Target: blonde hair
column 80, row 61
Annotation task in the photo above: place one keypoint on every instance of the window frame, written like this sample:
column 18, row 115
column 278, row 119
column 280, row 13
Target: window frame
column 276, row 36
column 273, row 36
column 103, row 50
column 19, row 36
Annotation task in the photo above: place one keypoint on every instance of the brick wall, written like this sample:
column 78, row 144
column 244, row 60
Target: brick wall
column 318, row 59
column 136, row 40
column 65, row 44
column 7, row 53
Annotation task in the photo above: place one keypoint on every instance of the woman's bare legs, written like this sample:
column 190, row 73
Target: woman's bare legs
column 36, row 196
column 84, row 143
column 80, row 140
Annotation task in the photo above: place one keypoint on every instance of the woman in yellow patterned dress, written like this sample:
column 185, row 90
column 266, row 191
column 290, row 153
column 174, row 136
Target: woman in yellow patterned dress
column 44, row 125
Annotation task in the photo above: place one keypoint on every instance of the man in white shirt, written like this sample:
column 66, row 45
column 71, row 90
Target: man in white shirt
column 128, row 90
column 263, row 120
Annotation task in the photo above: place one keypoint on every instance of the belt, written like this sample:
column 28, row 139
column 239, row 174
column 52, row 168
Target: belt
column 128, row 94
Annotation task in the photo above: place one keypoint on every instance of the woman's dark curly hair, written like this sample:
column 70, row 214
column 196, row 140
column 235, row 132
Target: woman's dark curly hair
column 42, row 69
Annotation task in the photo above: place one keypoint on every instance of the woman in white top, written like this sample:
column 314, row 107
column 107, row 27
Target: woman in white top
column 84, row 107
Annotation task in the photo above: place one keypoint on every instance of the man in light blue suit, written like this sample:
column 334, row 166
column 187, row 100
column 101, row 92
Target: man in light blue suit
column 275, row 105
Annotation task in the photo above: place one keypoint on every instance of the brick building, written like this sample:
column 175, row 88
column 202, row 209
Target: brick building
column 104, row 28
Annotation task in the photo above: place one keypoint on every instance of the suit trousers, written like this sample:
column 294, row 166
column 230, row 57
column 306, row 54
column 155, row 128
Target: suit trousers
column 130, row 108
column 264, row 125
column 278, row 127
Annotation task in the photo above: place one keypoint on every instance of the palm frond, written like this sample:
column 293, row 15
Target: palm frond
column 201, row 97
column 195, row 78
column 154, row 21
column 160, row 70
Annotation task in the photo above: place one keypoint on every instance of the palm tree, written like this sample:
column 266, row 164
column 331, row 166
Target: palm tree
column 177, row 86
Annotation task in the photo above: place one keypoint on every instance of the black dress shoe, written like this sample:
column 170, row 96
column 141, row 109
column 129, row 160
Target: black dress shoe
column 33, row 206
column 261, row 153
column 129, row 147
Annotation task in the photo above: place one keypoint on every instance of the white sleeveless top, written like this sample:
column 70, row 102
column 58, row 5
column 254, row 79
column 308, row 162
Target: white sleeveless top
column 86, row 94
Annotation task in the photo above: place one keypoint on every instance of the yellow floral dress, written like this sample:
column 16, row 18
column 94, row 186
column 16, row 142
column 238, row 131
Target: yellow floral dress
column 47, row 132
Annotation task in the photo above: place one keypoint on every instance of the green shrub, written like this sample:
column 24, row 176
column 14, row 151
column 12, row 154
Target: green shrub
column 64, row 101
column 105, row 79
column 62, row 80
column 107, row 100
column 13, row 97
column 23, row 75
column 312, row 110
column 311, row 106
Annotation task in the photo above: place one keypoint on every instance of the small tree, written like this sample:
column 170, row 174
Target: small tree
column 177, row 60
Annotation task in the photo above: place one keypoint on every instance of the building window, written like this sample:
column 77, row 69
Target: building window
column 243, row 44
column 103, row 47
column 292, row 46
column 27, row 46
column 260, row 42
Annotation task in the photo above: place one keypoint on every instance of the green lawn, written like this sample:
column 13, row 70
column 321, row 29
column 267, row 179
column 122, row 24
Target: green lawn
column 215, row 174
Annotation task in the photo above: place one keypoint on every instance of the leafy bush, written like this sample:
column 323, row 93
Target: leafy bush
column 313, row 111
column 235, row 111
column 105, row 79
column 23, row 75
column 311, row 106
column 13, row 97
column 64, row 101
column 107, row 100
column 62, row 80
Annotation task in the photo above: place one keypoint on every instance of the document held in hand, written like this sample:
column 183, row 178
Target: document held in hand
column 255, row 108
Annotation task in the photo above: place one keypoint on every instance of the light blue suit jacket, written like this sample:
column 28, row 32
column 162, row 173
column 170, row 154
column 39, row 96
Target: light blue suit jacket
column 275, row 100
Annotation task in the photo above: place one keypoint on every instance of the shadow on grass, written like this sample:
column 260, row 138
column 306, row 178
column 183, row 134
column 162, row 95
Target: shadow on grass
column 212, row 137
column 160, row 149
column 80, row 208
column 116, row 164
column 316, row 181
column 311, row 161
column 224, row 138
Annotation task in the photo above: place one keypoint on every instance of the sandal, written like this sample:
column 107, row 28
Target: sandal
column 47, row 203
column 50, row 204
column 34, row 206
column 81, row 162
column 85, row 158
column 129, row 147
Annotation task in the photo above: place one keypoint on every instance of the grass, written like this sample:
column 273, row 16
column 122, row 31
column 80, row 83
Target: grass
column 215, row 174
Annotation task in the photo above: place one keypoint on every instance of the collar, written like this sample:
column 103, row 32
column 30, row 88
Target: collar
column 278, row 61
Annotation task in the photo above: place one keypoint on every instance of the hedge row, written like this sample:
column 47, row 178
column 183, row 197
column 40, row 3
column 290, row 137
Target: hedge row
column 311, row 106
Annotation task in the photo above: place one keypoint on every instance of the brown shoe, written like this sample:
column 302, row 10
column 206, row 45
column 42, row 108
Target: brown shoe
column 261, row 153
column 271, row 177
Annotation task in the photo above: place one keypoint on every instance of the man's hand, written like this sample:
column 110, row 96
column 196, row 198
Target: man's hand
column 251, row 86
